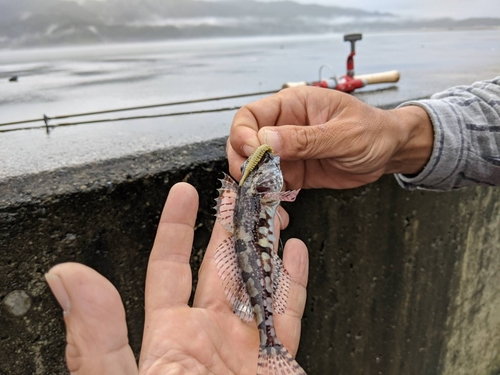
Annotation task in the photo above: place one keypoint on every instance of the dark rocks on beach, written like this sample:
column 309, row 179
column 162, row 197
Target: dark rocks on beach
column 13, row 79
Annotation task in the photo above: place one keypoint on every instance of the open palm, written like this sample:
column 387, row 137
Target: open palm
column 178, row 339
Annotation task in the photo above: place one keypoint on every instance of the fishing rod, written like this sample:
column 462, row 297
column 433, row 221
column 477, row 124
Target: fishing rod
column 349, row 82
column 48, row 126
column 46, row 118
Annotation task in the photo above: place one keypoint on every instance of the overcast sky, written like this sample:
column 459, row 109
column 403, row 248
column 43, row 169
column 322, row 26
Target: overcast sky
column 413, row 8
column 422, row 8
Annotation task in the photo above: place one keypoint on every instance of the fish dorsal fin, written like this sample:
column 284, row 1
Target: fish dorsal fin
column 225, row 202
column 281, row 285
column 234, row 287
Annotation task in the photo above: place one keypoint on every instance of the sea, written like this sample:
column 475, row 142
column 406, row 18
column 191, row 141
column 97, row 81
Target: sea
column 60, row 81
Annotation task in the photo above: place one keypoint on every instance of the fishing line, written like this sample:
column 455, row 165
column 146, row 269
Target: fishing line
column 47, row 127
column 184, row 102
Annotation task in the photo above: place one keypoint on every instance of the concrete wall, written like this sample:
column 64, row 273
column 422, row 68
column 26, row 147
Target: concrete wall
column 401, row 282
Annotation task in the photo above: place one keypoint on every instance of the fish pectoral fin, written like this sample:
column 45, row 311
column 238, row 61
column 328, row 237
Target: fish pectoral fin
column 230, row 274
column 283, row 196
column 281, row 285
column 225, row 202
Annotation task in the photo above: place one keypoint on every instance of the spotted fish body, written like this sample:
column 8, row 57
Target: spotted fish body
column 255, row 281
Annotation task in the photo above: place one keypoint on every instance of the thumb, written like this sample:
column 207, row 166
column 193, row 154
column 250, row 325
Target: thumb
column 295, row 142
column 96, row 331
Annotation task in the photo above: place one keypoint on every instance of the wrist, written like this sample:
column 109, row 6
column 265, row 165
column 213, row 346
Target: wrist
column 416, row 140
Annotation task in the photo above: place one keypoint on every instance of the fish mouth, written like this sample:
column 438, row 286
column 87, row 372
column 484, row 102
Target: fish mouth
column 254, row 160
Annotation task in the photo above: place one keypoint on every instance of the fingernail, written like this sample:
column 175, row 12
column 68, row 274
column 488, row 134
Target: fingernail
column 57, row 287
column 248, row 150
column 271, row 138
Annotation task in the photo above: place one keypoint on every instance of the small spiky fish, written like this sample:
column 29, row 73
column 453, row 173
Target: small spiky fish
column 255, row 281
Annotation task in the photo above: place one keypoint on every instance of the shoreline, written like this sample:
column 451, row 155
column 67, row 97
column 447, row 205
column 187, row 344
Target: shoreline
column 240, row 35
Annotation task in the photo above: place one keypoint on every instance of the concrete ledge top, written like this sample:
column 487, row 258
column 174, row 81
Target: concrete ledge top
column 44, row 186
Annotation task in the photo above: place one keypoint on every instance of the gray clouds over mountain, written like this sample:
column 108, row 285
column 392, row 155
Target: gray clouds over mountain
column 458, row 9
column 48, row 22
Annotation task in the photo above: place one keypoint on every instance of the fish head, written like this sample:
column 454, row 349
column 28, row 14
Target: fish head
column 265, row 176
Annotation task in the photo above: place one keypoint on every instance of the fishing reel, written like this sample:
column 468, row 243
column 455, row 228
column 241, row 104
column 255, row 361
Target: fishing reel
column 348, row 82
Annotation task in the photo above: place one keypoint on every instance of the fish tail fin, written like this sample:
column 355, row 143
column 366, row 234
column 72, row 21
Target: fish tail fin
column 276, row 360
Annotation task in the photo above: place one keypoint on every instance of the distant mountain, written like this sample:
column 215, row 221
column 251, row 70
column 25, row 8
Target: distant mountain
column 52, row 22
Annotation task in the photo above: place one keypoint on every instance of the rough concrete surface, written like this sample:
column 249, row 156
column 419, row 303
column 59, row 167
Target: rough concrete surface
column 400, row 282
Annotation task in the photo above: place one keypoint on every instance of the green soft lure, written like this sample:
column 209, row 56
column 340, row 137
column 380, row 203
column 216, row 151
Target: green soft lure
column 254, row 159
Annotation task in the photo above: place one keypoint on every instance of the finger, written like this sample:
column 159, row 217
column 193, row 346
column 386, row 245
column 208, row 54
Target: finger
column 96, row 330
column 329, row 125
column 210, row 290
column 168, row 279
column 243, row 134
column 296, row 262
column 297, row 142
column 249, row 119
column 235, row 161
column 282, row 218
column 294, row 172
column 288, row 121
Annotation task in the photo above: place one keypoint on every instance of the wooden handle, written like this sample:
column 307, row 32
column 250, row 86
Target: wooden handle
column 383, row 77
column 293, row 84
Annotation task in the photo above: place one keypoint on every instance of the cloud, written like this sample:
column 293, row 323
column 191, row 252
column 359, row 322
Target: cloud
column 421, row 8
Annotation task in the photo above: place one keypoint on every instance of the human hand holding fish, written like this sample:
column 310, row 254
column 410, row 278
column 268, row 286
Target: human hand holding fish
column 207, row 338
column 329, row 139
